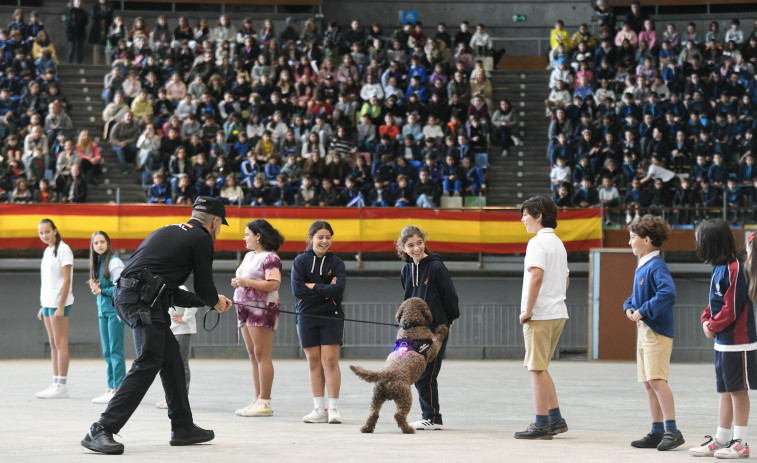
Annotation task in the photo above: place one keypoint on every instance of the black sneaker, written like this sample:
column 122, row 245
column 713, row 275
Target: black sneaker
column 671, row 440
column 191, row 435
column 100, row 440
column 559, row 426
column 532, row 432
column 650, row 441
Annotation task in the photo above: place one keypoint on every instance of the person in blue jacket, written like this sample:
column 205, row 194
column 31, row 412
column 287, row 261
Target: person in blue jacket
column 425, row 276
column 729, row 320
column 318, row 281
column 650, row 307
column 104, row 270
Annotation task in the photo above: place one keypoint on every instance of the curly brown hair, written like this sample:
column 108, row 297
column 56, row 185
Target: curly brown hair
column 407, row 233
column 652, row 226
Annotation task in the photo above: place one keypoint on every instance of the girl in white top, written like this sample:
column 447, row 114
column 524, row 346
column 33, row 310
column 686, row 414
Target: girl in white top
column 56, row 300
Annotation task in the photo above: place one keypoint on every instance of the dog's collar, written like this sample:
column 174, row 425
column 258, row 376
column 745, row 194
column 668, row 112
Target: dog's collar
column 420, row 346
column 408, row 325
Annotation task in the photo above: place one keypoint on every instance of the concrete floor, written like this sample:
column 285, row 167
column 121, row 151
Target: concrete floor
column 483, row 403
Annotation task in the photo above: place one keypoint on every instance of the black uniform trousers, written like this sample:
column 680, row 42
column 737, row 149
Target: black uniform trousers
column 157, row 352
column 428, row 389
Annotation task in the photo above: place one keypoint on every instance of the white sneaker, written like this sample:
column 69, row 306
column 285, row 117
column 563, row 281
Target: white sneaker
column 257, row 408
column 105, row 398
column 735, row 449
column 43, row 393
column 60, row 391
column 426, row 425
column 707, row 449
column 334, row 416
column 318, row 415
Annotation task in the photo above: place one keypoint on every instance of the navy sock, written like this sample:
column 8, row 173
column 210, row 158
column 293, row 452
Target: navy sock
column 670, row 425
column 554, row 415
column 657, row 427
column 542, row 421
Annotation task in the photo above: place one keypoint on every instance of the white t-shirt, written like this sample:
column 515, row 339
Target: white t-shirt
column 547, row 252
column 51, row 271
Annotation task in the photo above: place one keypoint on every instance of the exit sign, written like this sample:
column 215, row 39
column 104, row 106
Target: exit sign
column 519, row 18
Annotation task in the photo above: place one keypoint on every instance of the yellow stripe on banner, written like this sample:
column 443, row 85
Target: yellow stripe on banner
column 463, row 231
column 71, row 226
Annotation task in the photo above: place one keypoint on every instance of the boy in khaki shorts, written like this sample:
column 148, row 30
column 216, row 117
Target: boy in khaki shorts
column 543, row 312
column 651, row 308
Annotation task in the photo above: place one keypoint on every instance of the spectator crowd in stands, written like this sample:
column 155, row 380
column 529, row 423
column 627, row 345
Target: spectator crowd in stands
column 647, row 118
column 308, row 116
column 42, row 159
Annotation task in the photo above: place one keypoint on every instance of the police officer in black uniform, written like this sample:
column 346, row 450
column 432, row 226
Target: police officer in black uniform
column 148, row 285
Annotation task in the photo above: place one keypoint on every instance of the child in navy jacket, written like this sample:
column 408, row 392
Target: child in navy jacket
column 425, row 276
column 729, row 319
column 318, row 282
column 651, row 308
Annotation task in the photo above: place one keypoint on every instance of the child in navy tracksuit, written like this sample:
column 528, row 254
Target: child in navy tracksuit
column 729, row 319
column 425, row 276
column 318, row 281
column 651, row 308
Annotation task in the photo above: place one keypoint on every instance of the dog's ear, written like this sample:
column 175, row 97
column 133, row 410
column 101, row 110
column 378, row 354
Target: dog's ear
column 399, row 312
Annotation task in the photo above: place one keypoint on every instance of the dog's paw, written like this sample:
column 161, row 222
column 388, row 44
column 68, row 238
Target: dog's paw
column 441, row 331
column 408, row 429
column 366, row 429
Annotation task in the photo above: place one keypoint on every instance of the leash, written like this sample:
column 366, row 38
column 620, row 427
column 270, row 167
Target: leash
column 367, row 322
column 205, row 319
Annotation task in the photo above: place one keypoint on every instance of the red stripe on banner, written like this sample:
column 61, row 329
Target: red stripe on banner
column 158, row 210
column 338, row 246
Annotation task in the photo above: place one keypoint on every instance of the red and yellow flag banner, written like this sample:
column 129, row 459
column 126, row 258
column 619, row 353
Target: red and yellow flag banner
column 355, row 230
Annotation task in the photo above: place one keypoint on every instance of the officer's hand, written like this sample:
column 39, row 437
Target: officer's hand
column 223, row 304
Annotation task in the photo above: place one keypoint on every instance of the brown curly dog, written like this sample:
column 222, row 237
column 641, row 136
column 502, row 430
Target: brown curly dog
column 416, row 346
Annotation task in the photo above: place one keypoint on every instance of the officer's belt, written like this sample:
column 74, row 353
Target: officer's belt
column 131, row 283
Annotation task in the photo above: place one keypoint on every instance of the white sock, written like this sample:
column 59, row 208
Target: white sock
column 62, row 379
column 723, row 435
column 739, row 433
column 333, row 403
column 55, row 379
column 265, row 401
column 319, row 402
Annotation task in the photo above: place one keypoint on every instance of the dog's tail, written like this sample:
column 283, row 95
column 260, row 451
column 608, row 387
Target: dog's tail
column 367, row 375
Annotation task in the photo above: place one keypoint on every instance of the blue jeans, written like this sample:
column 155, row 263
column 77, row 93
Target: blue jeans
column 424, row 201
column 126, row 155
column 452, row 185
column 112, row 339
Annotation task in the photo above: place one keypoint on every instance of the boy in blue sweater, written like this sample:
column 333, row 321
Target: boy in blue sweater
column 651, row 307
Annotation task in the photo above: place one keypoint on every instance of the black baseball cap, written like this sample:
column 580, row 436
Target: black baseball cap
column 212, row 206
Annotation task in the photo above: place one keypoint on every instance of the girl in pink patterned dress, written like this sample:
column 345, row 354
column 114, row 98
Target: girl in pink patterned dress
column 257, row 283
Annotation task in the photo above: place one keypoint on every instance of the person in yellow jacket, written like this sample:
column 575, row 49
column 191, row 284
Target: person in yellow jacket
column 559, row 35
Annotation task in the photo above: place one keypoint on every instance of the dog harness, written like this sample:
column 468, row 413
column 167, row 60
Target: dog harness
column 406, row 345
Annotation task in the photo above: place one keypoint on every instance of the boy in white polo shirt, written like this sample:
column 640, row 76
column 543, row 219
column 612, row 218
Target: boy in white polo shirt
column 543, row 312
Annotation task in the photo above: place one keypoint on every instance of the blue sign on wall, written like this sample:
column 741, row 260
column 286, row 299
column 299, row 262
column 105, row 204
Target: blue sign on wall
column 408, row 16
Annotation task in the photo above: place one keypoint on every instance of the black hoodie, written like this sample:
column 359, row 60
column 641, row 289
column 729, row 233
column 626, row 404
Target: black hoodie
column 325, row 298
column 430, row 281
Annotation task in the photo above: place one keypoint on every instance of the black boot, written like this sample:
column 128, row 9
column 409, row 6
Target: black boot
column 101, row 440
column 192, row 434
